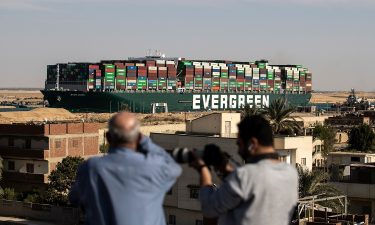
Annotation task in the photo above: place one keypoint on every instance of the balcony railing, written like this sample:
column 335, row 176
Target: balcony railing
column 23, row 153
column 23, row 177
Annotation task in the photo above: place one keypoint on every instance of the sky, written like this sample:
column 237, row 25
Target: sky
column 335, row 39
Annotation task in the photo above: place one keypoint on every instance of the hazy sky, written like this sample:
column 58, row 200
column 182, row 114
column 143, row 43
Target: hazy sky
column 334, row 38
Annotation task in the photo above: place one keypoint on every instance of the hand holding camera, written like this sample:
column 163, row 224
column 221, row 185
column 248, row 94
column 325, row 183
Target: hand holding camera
column 210, row 156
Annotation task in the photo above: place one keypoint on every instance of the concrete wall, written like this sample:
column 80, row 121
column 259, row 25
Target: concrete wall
column 234, row 119
column 55, row 214
column 361, row 196
column 301, row 144
column 209, row 124
column 215, row 123
column 346, row 158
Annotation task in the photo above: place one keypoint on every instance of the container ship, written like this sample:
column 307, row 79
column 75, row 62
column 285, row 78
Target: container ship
column 158, row 84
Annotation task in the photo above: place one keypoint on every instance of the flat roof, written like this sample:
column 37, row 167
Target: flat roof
column 351, row 153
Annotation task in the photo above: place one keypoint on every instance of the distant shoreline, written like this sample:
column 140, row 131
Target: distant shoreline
column 21, row 89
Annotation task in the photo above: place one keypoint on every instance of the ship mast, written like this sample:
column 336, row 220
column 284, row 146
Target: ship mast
column 58, row 77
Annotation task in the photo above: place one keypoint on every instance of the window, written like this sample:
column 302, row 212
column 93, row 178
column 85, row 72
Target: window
column 368, row 159
column 169, row 192
column 75, row 143
column 194, row 193
column 28, row 143
column 303, row 161
column 282, row 158
column 57, row 144
column 11, row 165
column 172, row 220
column 355, row 159
column 198, row 222
column 30, row 168
column 10, row 141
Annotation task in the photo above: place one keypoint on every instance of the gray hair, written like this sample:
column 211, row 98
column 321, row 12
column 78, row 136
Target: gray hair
column 119, row 135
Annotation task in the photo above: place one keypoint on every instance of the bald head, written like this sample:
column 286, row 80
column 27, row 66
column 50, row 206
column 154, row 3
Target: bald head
column 123, row 129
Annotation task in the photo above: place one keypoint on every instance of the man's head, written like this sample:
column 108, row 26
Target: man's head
column 123, row 130
column 254, row 136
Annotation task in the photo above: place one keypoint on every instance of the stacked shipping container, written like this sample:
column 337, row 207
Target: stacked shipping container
column 164, row 75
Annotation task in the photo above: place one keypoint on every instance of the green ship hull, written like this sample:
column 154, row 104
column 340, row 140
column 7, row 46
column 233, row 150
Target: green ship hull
column 147, row 102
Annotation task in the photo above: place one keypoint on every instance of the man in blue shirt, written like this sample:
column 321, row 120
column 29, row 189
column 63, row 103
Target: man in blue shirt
column 127, row 186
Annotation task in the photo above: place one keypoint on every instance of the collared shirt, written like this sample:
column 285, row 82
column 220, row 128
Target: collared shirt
column 259, row 193
column 125, row 187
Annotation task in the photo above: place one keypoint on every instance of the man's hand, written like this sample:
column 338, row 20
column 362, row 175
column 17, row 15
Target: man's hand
column 197, row 164
column 202, row 168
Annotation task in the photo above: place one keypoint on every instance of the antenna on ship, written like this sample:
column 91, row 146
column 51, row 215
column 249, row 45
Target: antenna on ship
column 58, row 77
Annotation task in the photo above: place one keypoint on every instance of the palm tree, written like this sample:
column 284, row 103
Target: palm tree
column 315, row 183
column 279, row 114
column 248, row 111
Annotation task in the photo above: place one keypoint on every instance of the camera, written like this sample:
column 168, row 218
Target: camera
column 211, row 155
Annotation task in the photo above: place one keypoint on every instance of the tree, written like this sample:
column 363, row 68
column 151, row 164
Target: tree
column 328, row 136
column 361, row 138
column 279, row 113
column 315, row 183
column 61, row 180
column 8, row 194
column 249, row 111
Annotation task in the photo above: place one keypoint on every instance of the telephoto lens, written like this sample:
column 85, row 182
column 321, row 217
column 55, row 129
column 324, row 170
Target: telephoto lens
column 185, row 155
column 211, row 155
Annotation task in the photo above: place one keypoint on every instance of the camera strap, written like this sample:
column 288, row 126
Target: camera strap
column 257, row 158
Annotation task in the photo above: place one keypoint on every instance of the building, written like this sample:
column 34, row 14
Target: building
column 358, row 183
column 347, row 158
column 181, row 203
column 225, row 124
column 31, row 151
column 347, row 121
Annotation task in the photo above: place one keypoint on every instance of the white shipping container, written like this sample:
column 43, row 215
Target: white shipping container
column 205, row 64
column 214, row 64
column 240, row 69
column 222, row 64
column 256, row 76
column 160, row 61
column 199, row 67
column 215, row 73
column 196, row 63
column 152, row 68
column 224, row 67
column 207, row 67
column 162, row 68
column 255, row 70
column 139, row 64
column 246, row 66
column 215, row 67
column 170, row 62
column 308, row 85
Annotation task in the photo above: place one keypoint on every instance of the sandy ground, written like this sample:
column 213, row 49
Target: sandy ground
column 338, row 97
column 53, row 114
column 21, row 96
